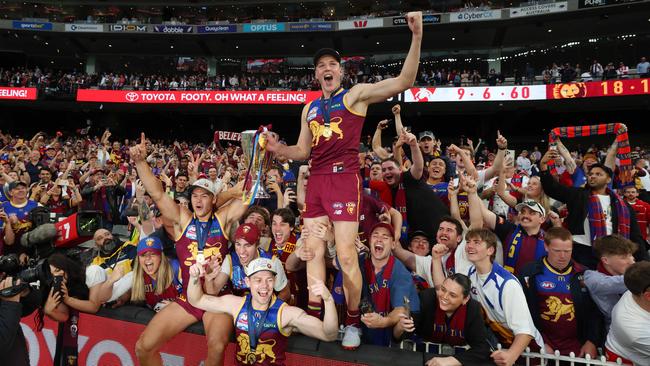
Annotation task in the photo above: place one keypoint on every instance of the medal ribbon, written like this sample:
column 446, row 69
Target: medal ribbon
column 254, row 327
column 202, row 236
column 325, row 107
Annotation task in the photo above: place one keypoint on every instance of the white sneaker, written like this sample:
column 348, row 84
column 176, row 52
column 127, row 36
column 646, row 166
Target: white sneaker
column 351, row 338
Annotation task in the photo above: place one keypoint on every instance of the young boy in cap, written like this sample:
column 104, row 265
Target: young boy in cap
column 262, row 321
column 329, row 136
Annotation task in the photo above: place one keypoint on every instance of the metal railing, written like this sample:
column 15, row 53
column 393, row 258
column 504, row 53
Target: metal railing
column 530, row 358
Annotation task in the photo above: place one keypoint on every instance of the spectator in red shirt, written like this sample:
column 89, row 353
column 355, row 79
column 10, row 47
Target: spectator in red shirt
column 642, row 209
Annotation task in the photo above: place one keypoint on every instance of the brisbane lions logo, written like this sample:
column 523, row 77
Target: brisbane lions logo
column 569, row 91
column 317, row 130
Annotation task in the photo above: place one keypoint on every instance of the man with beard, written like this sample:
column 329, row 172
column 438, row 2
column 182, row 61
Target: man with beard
column 419, row 205
column 594, row 211
column 330, row 133
column 112, row 256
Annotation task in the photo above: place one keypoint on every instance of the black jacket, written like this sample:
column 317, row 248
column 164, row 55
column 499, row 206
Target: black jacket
column 577, row 201
column 13, row 346
column 475, row 331
column 588, row 317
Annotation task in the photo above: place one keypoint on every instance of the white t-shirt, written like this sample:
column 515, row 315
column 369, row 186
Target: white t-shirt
column 629, row 335
column 513, row 314
column 605, row 203
column 280, row 278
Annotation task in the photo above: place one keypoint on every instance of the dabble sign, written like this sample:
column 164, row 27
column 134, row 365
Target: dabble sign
column 196, row 97
column 18, row 93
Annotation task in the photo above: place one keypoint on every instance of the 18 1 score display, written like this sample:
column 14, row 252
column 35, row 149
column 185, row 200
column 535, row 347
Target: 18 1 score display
column 476, row 94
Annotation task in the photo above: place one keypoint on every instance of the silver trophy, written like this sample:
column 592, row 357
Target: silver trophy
column 256, row 159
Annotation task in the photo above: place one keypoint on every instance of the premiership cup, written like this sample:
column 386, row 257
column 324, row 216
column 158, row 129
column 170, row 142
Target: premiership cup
column 257, row 160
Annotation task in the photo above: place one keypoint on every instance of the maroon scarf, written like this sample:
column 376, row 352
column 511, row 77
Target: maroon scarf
column 380, row 294
column 449, row 330
column 623, row 152
column 597, row 223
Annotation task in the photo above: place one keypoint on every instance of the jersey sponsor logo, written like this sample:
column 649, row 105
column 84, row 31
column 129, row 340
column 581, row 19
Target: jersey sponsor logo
column 547, row 285
column 242, row 321
column 312, row 113
column 338, row 212
column 191, row 232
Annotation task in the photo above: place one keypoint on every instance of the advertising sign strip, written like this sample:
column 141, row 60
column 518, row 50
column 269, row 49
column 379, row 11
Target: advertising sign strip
column 84, row 28
column 18, row 93
column 538, row 9
column 475, row 94
column 264, row 27
column 361, row 23
column 594, row 3
column 426, row 19
column 610, row 88
column 311, row 27
column 228, row 28
column 176, row 29
column 196, row 97
column 17, row 24
column 474, row 16
column 139, row 28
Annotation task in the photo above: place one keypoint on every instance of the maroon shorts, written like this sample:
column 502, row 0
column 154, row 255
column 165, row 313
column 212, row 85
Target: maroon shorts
column 335, row 195
column 195, row 312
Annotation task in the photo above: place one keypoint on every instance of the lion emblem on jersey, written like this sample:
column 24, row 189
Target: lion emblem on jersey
column 208, row 252
column 317, row 130
column 556, row 308
column 247, row 356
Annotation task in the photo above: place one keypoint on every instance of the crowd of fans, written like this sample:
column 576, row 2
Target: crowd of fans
column 69, row 82
column 569, row 224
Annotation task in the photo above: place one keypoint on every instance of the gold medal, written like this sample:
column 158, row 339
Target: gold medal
column 200, row 258
column 327, row 132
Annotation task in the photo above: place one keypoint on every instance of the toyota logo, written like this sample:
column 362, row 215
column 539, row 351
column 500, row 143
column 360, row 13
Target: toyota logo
column 132, row 96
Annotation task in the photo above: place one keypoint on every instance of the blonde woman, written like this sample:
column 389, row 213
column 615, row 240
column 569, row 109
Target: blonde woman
column 156, row 279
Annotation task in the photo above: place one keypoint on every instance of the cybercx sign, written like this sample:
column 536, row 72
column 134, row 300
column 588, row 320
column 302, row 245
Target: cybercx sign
column 128, row 28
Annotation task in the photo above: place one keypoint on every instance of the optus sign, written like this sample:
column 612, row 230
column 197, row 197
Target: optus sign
column 196, row 97
column 264, row 27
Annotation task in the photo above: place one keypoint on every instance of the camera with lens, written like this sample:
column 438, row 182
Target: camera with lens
column 36, row 270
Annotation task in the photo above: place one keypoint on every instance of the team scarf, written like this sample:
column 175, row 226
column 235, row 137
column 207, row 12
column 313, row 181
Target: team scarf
column 380, row 295
column 516, row 242
column 399, row 203
column 597, row 222
column 451, row 330
column 623, row 152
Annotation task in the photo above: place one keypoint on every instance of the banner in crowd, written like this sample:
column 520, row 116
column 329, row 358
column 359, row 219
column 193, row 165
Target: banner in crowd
column 196, row 97
column 105, row 341
column 476, row 94
column 426, row 19
column 17, row 24
column 474, row 15
column 361, row 23
column 538, row 9
column 127, row 28
column 18, row 93
column 84, row 28
column 227, row 136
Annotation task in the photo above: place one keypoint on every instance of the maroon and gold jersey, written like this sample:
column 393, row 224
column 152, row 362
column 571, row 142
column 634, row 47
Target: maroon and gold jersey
column 334, row 150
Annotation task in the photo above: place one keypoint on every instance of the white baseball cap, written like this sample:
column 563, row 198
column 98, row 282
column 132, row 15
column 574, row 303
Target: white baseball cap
column 205, row 184
column 258, row 265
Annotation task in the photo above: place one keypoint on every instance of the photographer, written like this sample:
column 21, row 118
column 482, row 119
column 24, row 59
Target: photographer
column 13, row 346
